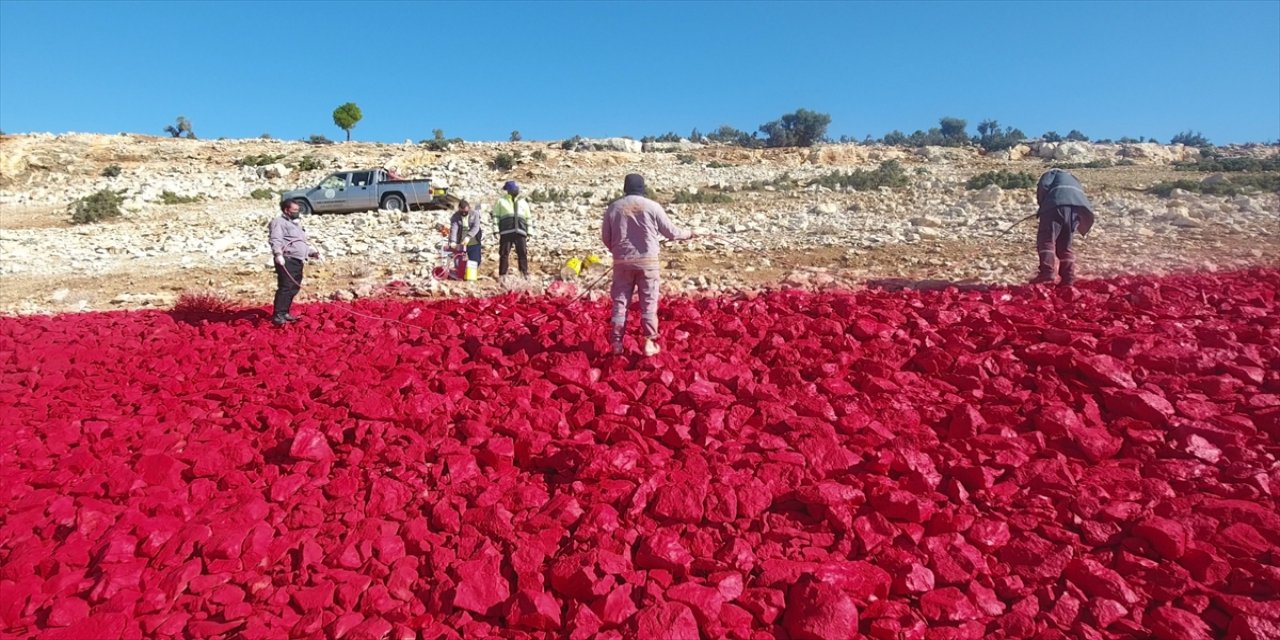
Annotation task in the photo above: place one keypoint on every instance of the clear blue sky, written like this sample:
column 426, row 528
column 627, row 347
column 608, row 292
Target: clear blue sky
column 553, row 70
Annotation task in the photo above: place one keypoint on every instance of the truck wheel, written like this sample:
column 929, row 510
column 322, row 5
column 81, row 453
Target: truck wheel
column 304, row 207
column 393, row 203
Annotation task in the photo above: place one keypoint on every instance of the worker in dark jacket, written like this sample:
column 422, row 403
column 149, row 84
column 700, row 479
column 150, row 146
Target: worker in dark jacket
column 1063, row 210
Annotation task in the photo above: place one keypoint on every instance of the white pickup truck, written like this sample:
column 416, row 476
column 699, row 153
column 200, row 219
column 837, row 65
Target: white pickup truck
column 367, row 190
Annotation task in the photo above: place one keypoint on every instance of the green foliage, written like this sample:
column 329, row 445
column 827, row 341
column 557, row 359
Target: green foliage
column 1235, row 186
column 1002, row 179
column 716, row 164
column 701, row 197
column 695, row 135
column 539, row 155
column 318, row 139
column 1128, row 140
column 260, row 160
column 783, row 182
column 515, row 136
column 1190, row 138
column 309, row 163
column 1075, row 136
column 803, row 128
column 895, row 138
column 669, row 136
column 1051, row 136
column 572, row 143
column 889, row 174
column 503, row 161
column 1231, row 165
column 686, row 158
column 1103, row 163
column 263, row 194
column 96, row 207
column 992, row 138
column 440, row 145
column 111, row 171
column 265, row 136
column 346, row 116
column 169, row 197
column 539, row 196
column 181, row 128
column 729, row 135
column 952, row 130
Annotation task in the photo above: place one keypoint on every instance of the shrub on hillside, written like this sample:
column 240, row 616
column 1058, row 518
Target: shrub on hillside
column 318, row 139
column 701, row 197
column 259, row 160
column 181, row 129
column 1002, row 179
column 539, row 196
column 96, row 207
column 169, row 197
column 729, row 135
column 111, row 171
column 1235, row 186
column 309, row 163
column 803, row 128
column 263, row 194
column 539, row 155
column 1190, row 138
column 1051, row 136
column 515, row 136
column 1231, row 165
column 1076, row 136
column 991, row 138
column 889, row 174
column 503, row 161
column 686, row 158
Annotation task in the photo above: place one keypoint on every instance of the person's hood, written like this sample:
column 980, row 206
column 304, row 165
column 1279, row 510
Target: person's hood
column 633, row 184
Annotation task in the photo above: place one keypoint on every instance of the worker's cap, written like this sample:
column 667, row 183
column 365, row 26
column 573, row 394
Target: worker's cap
column 633, row 184
column 511, row 186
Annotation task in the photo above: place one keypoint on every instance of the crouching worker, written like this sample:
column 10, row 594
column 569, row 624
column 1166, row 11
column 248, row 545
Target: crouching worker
column 289, row 250
column 465, row 233
column 631, row 229
column 1063, row 209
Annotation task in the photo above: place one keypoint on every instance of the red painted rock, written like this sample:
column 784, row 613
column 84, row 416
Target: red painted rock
column 1168, row 537
column 481, row 585
column 310, row 444
column 1170, row 623
column 666, row 621
column 818, row 611
column 947, row 604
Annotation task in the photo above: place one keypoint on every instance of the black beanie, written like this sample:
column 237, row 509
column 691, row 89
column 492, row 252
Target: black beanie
column 633, row 184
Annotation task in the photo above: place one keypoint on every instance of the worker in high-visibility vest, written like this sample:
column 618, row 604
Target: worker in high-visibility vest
column 511, row 214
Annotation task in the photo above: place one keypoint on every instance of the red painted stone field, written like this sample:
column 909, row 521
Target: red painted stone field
column 1010, row 463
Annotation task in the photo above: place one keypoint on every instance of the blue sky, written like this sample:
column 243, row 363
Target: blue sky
column 552, row 70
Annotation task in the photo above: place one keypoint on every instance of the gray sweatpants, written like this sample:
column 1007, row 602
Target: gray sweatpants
column 628, row 279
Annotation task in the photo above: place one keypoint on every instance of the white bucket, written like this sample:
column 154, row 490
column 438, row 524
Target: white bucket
column 472, row 268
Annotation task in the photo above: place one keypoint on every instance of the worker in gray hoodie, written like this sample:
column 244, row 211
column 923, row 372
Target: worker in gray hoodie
column 631, row 230
column 1063, row 209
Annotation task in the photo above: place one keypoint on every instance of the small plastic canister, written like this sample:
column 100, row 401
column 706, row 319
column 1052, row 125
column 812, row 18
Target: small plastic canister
column 472, row 268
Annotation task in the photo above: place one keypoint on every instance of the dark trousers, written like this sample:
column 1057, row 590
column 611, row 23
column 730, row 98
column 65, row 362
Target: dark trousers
column 504, row 250
column 288, row 282
column 1053, row 241
column 473, row 253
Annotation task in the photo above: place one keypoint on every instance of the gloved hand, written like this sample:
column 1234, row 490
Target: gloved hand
column 280, row 259
column 314, row 255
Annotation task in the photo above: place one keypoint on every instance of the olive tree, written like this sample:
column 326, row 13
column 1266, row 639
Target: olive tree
column 346, row 117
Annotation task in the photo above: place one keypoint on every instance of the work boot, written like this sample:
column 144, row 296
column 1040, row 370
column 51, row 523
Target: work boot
column 1042, row 278
column 1068, row 272
column 278, row 320
column 289, row 317
column 651, row 347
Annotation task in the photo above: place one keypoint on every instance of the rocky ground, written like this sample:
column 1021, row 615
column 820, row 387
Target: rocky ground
column 775, row 229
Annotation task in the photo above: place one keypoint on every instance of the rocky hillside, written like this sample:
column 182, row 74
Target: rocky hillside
column 779, row 215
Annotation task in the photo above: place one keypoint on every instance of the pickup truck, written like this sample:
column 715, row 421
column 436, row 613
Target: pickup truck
column 367, row 190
